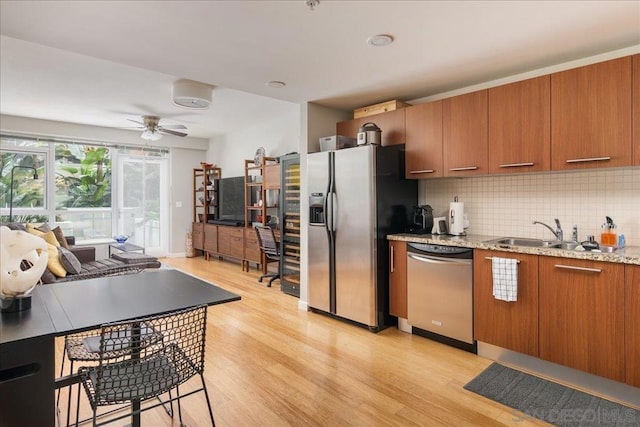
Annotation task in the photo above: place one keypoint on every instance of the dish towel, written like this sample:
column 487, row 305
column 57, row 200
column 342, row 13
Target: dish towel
column 505, row 279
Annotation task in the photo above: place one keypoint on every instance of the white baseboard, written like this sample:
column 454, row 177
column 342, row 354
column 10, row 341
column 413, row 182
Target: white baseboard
column 176, row 255
column 303, row 306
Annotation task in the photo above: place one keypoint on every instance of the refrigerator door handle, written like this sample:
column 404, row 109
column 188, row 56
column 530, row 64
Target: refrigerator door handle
column 334, row 212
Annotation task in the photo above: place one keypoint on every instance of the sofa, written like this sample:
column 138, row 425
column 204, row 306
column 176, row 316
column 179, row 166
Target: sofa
column 79, row 262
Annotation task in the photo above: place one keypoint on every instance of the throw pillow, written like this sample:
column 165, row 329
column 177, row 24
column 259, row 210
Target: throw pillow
column 48, row 277
column 69, row 261
column 49, row 237
column 53, row 262
column 60, row 237
column 44, row 227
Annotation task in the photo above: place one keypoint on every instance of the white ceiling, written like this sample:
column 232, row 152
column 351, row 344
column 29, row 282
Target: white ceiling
column 102, row 62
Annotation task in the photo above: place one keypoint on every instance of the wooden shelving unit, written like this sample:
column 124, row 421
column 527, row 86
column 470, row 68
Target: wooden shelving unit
column 205, row 193
column 290, row 224
column 205, row 202
column 259, row 181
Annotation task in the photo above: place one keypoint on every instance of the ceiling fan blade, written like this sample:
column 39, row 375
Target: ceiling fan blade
column 135, row 121
column 183, row 127
column 171, row 132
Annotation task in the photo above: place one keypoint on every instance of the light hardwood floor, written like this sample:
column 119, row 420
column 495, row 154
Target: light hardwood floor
column 270, row 364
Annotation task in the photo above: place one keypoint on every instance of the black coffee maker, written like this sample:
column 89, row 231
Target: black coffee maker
column 422, row 219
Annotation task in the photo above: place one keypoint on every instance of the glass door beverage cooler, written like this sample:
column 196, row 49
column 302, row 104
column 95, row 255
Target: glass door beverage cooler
column 290, row 224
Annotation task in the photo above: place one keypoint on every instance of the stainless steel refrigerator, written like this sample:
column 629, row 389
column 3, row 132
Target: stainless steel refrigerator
column 357, row 197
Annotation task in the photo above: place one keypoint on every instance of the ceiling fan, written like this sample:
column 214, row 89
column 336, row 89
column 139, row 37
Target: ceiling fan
column 152, row 130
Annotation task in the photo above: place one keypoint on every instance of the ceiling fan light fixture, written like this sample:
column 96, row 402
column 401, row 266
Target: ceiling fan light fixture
column 151, row 135
column 191, row 94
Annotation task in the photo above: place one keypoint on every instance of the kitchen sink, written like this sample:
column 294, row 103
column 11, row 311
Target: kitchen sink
column 567, row 246
column 521, row 241
column 539, row 243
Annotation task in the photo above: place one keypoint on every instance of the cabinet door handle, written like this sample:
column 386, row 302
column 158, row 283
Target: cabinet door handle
column 392, row 260
column 572, row 267
column 422, row 171
column 468, row 168
column 490, row 258
column 516, row 165
column 589, row 159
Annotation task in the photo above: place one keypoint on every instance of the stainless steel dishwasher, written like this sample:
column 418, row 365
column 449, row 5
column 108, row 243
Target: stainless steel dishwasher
column 440, row 293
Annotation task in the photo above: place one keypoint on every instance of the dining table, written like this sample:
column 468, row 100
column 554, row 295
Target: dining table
column 27, row 338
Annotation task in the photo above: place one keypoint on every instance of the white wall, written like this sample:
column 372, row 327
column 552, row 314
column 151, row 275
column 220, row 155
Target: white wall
column 278, row 136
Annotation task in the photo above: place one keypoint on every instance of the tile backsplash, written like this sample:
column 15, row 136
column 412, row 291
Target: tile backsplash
column 507, row 205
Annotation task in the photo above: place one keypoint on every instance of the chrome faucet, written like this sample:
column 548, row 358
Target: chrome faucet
column 557, row 232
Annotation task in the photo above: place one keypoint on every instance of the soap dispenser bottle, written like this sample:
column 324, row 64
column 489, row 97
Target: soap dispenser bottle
column 609, row 237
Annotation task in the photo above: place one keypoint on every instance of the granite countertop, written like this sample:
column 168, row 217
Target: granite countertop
column 627, row 255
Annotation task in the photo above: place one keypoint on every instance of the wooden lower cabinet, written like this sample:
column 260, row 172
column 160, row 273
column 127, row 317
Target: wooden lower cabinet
column 632, row 324
column 210, row 238
column 197, row 235
column 581, row 312
column 398, row 279
column 635, row 109
column 251, row 246
column 230, row 242
column 511, row 325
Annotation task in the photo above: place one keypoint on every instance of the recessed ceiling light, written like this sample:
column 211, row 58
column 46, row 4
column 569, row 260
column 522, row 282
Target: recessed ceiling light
column 276, row 84
column 380, row 40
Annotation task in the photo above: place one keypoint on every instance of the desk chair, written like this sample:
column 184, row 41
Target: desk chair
column 270, row 249
column 151, row 369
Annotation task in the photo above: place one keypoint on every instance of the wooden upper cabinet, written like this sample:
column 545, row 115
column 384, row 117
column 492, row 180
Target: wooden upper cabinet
column 464, row 125
column 391, row 123
column 591, row 116
column 636, row 109
column 632, row 324
column 581, row 315
column 520, row 126
column 512, row 325
column 398, row 278
column 423, row 155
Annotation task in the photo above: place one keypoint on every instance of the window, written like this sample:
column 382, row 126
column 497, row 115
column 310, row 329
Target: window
column 83, row 190
column 23, row 194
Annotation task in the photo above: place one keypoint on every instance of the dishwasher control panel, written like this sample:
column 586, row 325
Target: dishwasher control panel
column 428, row 248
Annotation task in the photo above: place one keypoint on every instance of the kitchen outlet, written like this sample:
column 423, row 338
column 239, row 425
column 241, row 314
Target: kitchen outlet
column 178, row 204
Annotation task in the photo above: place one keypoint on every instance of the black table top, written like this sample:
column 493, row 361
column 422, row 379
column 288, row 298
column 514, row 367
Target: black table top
column 62, row 308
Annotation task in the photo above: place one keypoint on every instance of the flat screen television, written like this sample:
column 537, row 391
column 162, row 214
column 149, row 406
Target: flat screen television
column 231, row 202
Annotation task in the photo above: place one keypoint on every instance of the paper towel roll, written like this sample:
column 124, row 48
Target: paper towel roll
column 456, row 218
